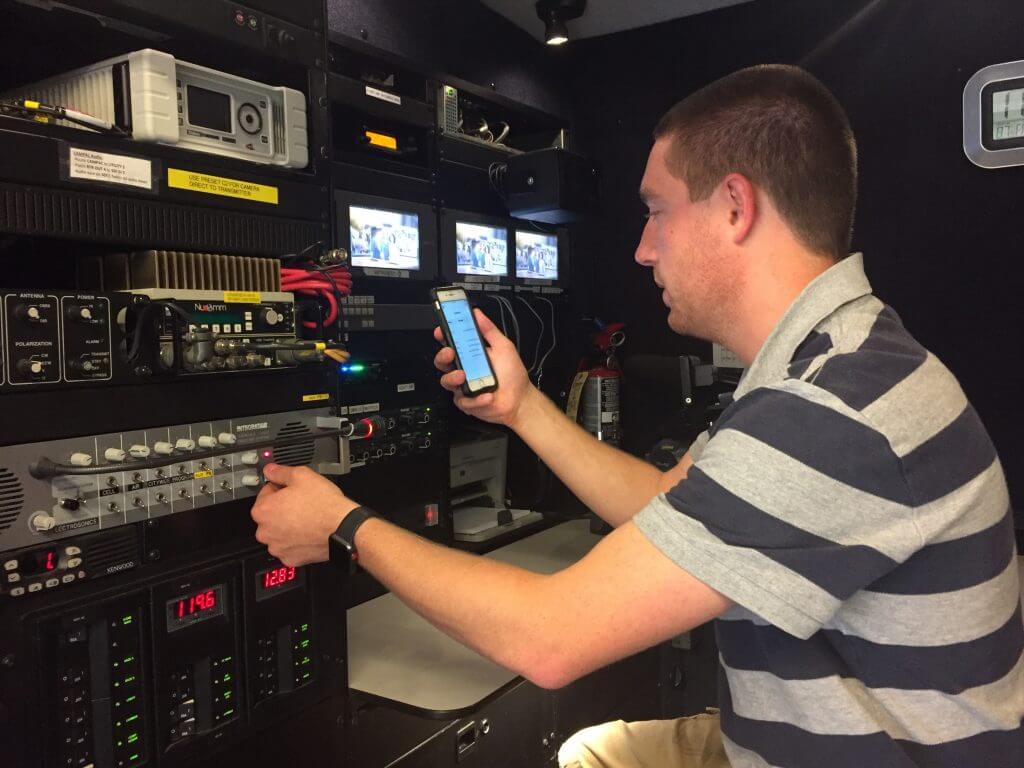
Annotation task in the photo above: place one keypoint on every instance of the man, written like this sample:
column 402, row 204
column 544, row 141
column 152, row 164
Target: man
column 846, row 519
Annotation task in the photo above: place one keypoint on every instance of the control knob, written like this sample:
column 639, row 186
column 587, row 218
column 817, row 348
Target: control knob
column 43, row 522
column 78, row 313
column 139, row 451
column 80, row 460
column 226, row 438
column 163, row 449
column 251, row 458
column 207, row 441
column 250, row 480
column 184, row 444
column 30, row 367
column 114, row 455
column 29, row 313
column 270, row 316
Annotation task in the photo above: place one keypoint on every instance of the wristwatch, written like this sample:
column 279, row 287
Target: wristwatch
column 343, row 541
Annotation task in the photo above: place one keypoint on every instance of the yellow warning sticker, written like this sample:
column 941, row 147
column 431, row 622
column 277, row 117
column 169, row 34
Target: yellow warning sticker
column 314, row 398
column 242, row 297
column 201, row 475
column 219, row 185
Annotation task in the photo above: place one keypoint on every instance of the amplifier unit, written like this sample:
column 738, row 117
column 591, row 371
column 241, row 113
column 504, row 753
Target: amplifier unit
column 154, row 97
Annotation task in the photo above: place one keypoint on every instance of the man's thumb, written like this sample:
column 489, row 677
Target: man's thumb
column 279, row 474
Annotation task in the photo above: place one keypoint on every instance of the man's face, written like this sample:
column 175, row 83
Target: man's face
column 679, row 244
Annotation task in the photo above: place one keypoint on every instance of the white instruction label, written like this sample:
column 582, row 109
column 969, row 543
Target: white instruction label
column 406, row 387
column 112, row 169
column 383, row 95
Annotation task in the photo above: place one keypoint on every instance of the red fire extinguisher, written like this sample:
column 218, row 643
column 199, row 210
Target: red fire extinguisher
column 594, row 398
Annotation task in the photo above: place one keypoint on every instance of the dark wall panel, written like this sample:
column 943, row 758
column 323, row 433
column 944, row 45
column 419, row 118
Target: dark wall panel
column 941, row 237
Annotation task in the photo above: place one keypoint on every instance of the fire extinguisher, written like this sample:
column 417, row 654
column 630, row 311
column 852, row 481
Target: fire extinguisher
column 594, row 398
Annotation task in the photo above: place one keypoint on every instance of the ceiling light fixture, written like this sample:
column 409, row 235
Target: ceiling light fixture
column 555, row 14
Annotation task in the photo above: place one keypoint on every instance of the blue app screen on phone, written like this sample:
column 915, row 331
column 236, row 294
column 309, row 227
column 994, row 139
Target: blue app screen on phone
column 466, row 338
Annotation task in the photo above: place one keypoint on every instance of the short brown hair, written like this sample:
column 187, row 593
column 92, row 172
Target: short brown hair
column 785, row 131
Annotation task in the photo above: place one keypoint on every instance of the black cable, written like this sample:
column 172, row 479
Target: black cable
column 144, row 316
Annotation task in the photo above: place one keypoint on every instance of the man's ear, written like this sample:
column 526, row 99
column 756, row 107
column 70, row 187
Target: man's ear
column 741, row 205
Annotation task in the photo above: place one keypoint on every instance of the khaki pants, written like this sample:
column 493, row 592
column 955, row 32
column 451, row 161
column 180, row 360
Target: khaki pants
column 689, row 742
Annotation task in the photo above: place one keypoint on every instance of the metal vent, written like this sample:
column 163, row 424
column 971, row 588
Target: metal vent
column 110, row 219
column 11, row 498
column 277, row 120
column 297, row 455
column 201, row 272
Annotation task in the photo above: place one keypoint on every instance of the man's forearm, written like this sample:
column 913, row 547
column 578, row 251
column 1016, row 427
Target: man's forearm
column 610, row 482
column 496, row 609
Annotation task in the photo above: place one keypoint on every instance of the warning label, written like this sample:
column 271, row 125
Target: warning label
column 219, row 185
column 113, row 169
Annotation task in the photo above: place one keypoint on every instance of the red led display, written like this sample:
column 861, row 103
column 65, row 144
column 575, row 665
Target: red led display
column 51, row 560
column 278, row 576
column 204, row 601
column 277, row 579
column 194, row 607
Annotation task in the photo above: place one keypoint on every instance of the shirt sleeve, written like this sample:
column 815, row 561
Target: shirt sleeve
column 794, row 504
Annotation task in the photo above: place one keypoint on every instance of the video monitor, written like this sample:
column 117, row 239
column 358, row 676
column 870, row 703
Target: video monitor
column 476, row 250
column 481, row 249
column 536, row 255
column 383, row 239
column 387, row 238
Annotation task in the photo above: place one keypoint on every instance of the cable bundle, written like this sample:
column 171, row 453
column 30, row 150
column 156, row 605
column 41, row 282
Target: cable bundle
column 328, row 283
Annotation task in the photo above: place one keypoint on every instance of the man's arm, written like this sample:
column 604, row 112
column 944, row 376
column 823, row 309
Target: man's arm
column 612, row 483
column 622, row 597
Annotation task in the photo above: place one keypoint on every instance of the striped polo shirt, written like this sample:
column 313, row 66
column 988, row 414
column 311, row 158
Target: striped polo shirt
column 851, row 504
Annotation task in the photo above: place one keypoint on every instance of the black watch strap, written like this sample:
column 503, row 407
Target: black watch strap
column 343, row 540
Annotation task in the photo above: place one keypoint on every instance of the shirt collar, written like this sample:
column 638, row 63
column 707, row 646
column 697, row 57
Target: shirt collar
column 840, row 284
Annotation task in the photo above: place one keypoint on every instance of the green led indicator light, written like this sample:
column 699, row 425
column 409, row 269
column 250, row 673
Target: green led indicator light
column 131, row 719
column 304, row 644
column 227, row 694
column 305, row 627
column 132, row 738
column 129, row 700
column 227, row 676
column 129, row 659
column 306, row 676
column 126, row 620
column 228, row 712
column 134, row 757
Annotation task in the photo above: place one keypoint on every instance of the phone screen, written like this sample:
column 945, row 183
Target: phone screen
column 468, row 344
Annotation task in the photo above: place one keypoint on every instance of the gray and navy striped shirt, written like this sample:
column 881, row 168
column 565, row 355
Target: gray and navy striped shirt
column 850, row 503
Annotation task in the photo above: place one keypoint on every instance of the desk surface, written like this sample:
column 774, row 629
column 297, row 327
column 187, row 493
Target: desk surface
column 396, row 655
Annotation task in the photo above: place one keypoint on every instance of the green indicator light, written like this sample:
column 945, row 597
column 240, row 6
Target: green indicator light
column 304, row 644
column 225, row 660
column 129, row 659
column 227, row 676
column 129, row 700
column 228, row 712
column 134, row 757
column 305, row 627
column 357, row 368
column 131, row 719
column 126, row 620
column 306, row 676
column 120, row 743
column 130, row 679
column 227, row 694
column 132, row 738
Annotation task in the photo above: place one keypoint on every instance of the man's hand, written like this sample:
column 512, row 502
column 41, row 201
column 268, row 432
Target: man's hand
column 296, row 512
column 503, row 406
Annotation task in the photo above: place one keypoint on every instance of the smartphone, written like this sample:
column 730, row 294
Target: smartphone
column 462, row 334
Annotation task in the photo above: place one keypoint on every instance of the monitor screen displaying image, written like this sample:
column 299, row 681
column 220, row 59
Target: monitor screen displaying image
column 384, row 239
column 536, row 255
column 481, row 249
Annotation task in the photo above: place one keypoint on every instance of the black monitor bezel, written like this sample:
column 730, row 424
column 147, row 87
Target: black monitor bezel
column 535, row 284
column 448, row 218
column 427, row 214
